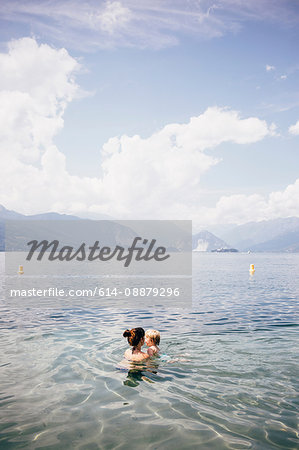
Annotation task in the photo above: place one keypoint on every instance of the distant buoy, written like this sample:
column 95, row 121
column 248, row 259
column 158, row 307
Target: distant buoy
column 21, row 271
column 252, row 269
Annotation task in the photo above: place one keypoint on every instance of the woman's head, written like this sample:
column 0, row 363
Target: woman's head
column 135, row 336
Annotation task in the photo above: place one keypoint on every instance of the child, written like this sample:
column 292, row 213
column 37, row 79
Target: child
column 152, row 340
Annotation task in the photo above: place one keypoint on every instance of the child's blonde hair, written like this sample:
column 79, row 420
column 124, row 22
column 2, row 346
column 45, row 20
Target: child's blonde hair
column 154, row 335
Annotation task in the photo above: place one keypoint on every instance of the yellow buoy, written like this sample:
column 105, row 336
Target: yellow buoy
column 252, row 269
column 21, row 271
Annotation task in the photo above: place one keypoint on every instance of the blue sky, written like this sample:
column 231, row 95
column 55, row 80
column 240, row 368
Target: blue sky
column 145, row 65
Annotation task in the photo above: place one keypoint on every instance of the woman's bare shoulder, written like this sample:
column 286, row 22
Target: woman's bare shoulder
column 141, row 357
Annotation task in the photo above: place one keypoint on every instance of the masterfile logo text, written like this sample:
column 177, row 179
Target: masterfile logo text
column 148, row 261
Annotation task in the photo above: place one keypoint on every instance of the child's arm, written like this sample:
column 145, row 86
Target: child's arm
column 150, row 351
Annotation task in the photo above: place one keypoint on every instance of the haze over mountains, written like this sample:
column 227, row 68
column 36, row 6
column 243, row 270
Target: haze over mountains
column 278, row 235
column 281, row 235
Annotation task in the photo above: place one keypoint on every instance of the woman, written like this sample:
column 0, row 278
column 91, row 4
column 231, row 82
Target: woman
column 136, row 340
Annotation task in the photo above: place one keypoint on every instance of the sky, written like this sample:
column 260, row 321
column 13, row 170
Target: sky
column 142, row 109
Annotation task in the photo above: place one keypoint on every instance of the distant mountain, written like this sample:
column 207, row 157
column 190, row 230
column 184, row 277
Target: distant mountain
column 221, row 229
column 111, row 233
column 279, row 235
column 12, row 215
column 204, row 241
column 7, row 214
column 287, row 242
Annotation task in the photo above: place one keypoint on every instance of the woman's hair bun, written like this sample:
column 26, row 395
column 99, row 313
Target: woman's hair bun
column 127, row 333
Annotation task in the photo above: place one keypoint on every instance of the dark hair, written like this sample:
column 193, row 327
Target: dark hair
column 134, row 336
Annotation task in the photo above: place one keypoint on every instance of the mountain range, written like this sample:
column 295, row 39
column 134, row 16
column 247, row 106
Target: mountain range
column 204, row 241
column 278, row 235
column 175, row 235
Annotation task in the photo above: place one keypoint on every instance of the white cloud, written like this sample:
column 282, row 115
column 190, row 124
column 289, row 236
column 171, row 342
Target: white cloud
column 161, row 174
column 269, row 68
column 113, row 16
column 245, row 208
column 294, row 129
column 283, row 77
column 36, row 84
column 154, row 177
column 132, row 23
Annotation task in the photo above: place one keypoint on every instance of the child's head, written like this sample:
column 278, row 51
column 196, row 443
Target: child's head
column 152, row 337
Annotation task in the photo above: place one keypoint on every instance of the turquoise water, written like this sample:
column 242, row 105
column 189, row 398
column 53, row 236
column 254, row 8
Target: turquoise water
column 229, row 381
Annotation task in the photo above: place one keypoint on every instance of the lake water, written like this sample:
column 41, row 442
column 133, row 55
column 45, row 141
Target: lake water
column 228, row 377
